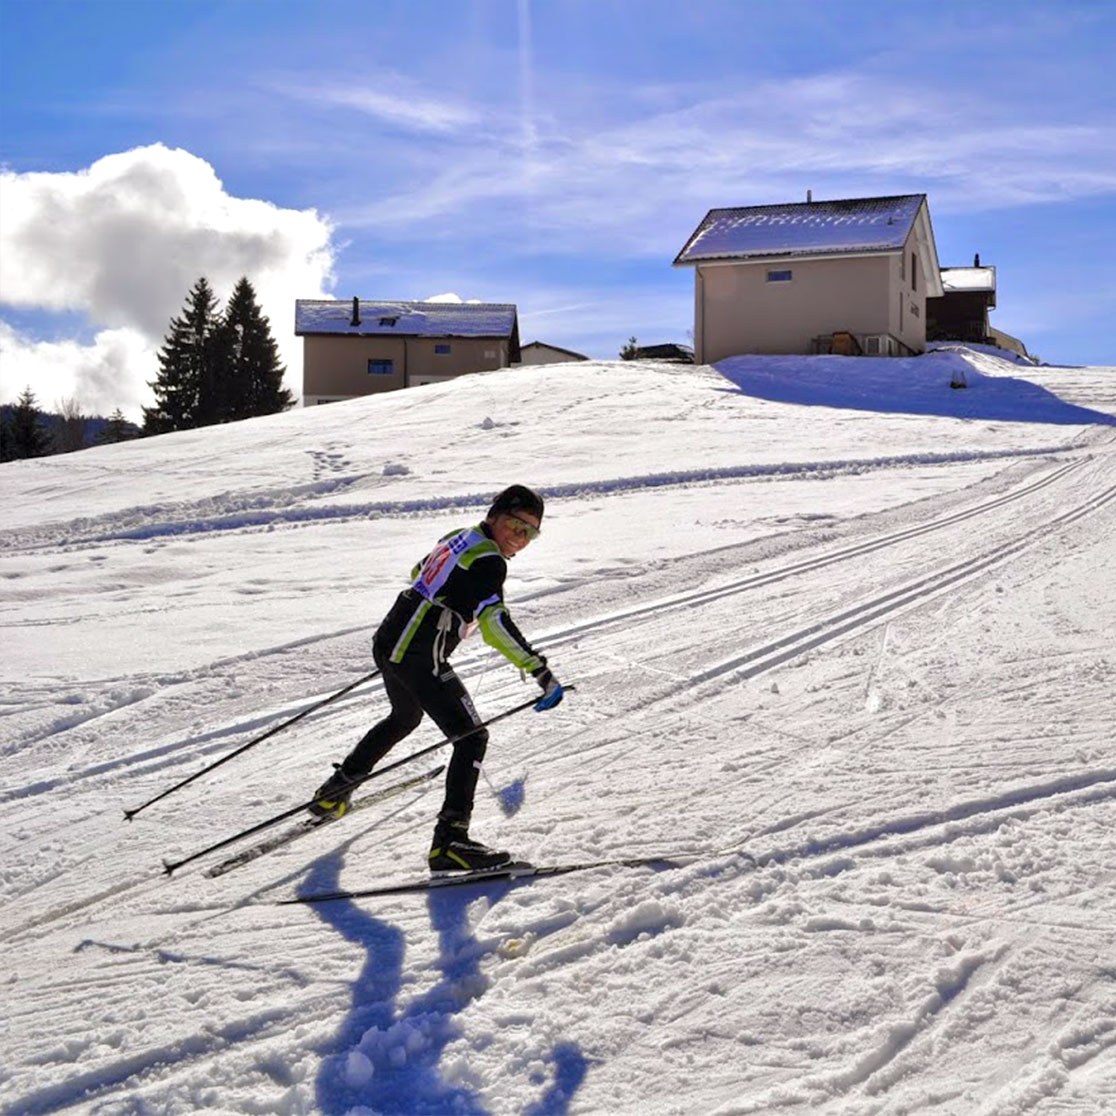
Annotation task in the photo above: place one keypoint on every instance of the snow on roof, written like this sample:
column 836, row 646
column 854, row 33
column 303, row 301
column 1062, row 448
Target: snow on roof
column 969, row 278
column 405, row 319
column 803, row 229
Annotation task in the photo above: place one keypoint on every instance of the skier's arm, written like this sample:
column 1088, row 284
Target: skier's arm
column 496, row 625
column 499, row 631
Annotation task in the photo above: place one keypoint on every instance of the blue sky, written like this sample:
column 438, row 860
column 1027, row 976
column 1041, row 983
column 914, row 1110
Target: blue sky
column 552, row 154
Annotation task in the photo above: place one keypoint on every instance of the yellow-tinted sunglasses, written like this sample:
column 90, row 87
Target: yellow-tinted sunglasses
column 522, row 528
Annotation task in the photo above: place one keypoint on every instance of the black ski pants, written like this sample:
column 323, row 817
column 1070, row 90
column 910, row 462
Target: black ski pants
column 414, row 689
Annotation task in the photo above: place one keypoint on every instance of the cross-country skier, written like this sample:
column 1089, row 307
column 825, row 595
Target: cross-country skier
column 460, row 581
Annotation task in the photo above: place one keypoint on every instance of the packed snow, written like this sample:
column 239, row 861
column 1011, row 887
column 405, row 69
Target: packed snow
column 842, row 641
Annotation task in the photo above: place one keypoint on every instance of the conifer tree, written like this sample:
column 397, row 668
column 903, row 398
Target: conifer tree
column 249, row 377
column 628, row 352
column 185, row 386
column 25, row 435
column 117, row 429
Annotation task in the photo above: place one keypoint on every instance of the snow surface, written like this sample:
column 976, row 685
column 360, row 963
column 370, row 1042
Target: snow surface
column 969, row 279
column 827, row 613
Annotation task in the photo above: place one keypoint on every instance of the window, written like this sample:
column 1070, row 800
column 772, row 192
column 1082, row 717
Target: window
column 389, row 321
column 914, row 272
column 780, row 276
column 489, row 354
column 380, row 367
column 442, row 350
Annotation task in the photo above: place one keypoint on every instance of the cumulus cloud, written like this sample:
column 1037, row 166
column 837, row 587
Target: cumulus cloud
column 122, row 242
column 110, row 372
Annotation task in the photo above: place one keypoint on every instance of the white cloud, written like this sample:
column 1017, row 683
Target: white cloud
column 404, row 107
column 109, row 373
column 124, row 241
column 632, row 175
column 450, row 296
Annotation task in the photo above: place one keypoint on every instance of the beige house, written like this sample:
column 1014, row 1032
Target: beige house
column 813, row 277
column 539, row 352
column 353, row 348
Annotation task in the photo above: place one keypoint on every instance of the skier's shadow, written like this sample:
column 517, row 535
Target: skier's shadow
column 388, row 1059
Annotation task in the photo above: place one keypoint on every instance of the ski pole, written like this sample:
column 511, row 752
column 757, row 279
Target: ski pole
column 171, row 866
column 130, row 814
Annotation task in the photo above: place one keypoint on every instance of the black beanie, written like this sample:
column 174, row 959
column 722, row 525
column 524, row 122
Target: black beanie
column 517, row 498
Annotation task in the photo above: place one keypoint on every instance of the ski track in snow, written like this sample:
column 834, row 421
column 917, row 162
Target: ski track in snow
column 901, row 708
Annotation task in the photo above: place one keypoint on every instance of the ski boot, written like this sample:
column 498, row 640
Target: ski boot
column 452, row 850
column 331, row 799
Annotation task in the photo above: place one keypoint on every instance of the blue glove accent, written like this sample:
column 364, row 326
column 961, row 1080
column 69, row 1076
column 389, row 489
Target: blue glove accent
column 552, row 695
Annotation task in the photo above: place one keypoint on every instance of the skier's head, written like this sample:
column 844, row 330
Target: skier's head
column 515, row 518
column 517, row 498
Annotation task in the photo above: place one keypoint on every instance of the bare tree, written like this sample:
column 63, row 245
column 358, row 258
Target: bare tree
column 69, row 435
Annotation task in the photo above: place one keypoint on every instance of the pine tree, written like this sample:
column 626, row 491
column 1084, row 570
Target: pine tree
column 185, row 387
column 249, row 374
column 25, row 435
column 628, row 352
column 117, row 429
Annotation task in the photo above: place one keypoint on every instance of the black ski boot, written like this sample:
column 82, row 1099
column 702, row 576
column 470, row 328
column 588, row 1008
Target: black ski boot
column 331, row 799
column 452, row 850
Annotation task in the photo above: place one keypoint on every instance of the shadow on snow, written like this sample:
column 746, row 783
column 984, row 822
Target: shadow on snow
column 903, row 385
column 389, row 1058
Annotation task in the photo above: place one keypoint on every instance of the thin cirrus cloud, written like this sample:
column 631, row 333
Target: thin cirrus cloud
column 402, row 106
column 630, row 183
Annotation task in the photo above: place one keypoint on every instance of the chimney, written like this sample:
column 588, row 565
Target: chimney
column 356, row 312
column 976, row 260
column 809, row 196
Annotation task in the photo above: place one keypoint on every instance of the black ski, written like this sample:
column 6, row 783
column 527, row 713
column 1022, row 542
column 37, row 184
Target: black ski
column 171, row 866
column 309, row 825
column 516, row 870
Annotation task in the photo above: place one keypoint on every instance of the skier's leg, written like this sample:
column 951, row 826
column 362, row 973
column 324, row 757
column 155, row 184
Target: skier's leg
column 332, row 797
column 401, row 721
column 446, row 701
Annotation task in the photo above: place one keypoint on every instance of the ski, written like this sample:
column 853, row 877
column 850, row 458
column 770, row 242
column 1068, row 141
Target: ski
column 309, row 825
column 516, row 870
column 171, row 866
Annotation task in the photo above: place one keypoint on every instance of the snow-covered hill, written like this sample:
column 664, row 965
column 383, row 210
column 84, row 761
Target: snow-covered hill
column 843, row 628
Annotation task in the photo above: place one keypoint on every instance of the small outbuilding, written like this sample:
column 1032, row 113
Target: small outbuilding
column 540, row 352
column 960, row 313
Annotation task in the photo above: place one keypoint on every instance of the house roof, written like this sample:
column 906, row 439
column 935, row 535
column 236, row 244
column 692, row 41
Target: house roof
column 553, row 348
column 968, row 279
column 405, row 319
column 813, row 228
column 669, row 350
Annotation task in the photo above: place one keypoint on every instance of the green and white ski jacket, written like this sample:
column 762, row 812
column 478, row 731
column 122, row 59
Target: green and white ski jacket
column 459, row 583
